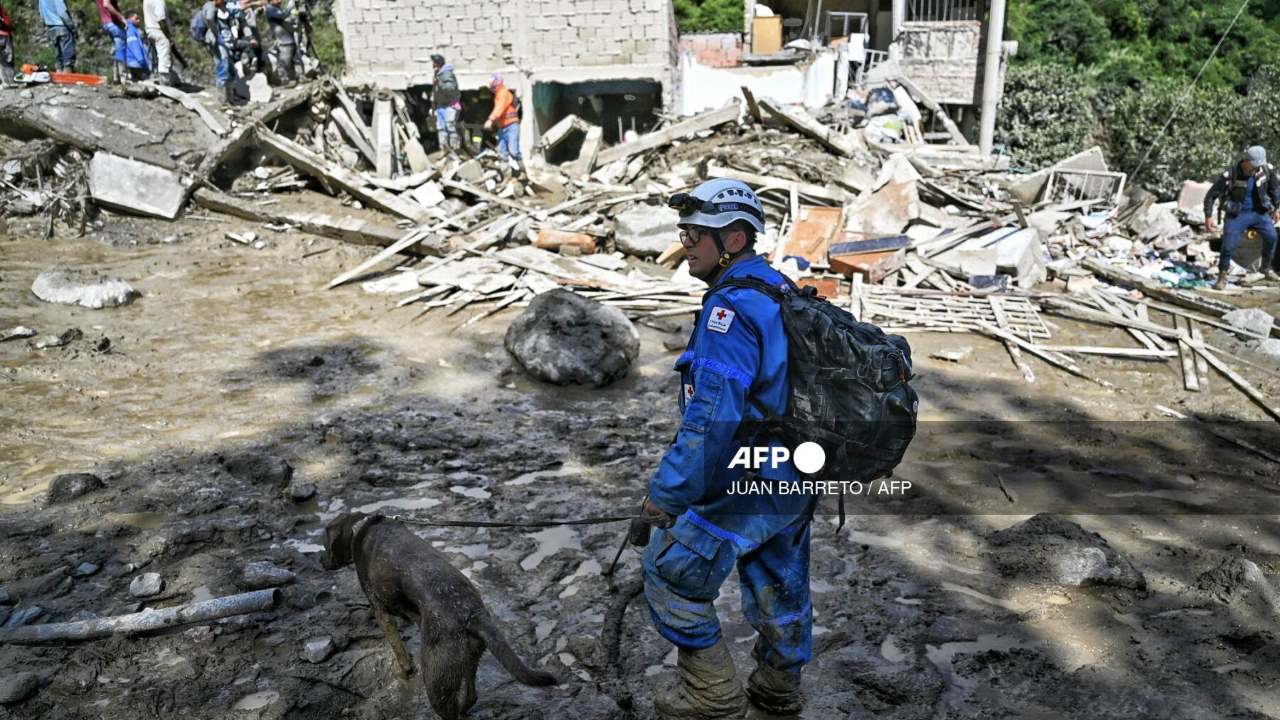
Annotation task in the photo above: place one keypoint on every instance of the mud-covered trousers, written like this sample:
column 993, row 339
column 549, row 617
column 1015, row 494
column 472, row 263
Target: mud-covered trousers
column 685, row 566
column 1234, row 231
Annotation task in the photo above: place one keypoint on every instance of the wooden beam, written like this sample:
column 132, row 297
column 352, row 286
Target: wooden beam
column 1002, row 321
column 414, row 237
column 348, row 229
column 1042, row 354
column 763, row 182
column 217, row 124
column 240, row 137
column 838, row 143
column 683, row 129
column 350, row 182
column 1117, row 276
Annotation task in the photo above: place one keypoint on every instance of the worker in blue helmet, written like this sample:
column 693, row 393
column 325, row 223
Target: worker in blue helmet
column 705, row 521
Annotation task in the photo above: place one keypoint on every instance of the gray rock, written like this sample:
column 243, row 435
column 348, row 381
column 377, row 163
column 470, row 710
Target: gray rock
column 6, row 598
column 1237, row 580
column 564, row 338
column 1051, row 550
column 1269, row 347
column 52, row 341
column 259, row 468
column 81, row 287
column 18, row 687
column 262, row 574
column 16, row 332
column 24, row 616
column 146, row 585
column 317, row 650
column 302, row 493
column 1254, row 320
column 70, row 486
column 85, row 569
column 646, row 231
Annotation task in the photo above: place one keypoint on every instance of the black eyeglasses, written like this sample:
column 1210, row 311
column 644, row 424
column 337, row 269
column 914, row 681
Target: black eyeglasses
column 689, row 238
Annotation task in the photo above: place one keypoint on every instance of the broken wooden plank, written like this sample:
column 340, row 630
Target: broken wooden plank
column 762, row 182
column 753, row 108
column 350, row 182
column 1202, row 366
column 413, row 237
column 588, row 153
column 1249, row 390
column 683, row 129
column 482, row 194
column 843, row 145
column 1117, row 276
column 1042, row 354
column 1002, row 321
column 348, row 229
column 1190, row 378
column 217, row 124
column 354, row 113
column 344, row 123
column 1138, row 353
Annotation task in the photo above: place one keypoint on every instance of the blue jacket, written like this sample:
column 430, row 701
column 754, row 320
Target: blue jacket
column 134, row 52
column 54, row 13
column 735, row 368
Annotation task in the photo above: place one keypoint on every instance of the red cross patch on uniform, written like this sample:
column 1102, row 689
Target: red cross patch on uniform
column 719, row 319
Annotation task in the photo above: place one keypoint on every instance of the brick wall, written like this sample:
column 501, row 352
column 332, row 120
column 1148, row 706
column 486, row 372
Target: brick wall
column 714, row 49
column 390, row 42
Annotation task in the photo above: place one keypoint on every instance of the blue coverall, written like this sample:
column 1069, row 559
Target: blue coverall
column 735, row 368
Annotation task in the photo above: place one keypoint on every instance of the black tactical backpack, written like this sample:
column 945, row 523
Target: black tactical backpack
column 850, row 387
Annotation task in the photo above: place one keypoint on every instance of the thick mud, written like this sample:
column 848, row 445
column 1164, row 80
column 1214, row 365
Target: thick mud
column 234, row 359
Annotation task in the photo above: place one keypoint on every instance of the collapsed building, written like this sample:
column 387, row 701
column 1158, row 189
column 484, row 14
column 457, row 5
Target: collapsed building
column 574, row 57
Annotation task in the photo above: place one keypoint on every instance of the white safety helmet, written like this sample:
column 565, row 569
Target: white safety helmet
column 717, row 203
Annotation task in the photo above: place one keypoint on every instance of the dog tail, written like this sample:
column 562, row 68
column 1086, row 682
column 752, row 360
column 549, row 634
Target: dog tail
column 497, row 644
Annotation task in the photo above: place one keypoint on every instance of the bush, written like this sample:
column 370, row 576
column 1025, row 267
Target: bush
column 1046, row 115
column 1201, row 140
column 709, row 15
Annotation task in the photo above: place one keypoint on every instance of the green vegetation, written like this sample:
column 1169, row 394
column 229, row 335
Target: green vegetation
column 1113, row 72
column 695, row 16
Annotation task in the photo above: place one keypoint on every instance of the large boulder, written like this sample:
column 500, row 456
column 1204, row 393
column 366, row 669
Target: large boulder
column 69, row 486
column 564, row 338
column 646, row 231
column 1049, row 549
column 81, row 287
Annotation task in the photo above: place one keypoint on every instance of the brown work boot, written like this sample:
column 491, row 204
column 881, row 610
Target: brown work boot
column 777, row 692
column 1221, row 282
column 707, row 688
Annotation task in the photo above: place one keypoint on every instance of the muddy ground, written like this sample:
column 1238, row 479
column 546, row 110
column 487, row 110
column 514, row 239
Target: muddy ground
column 236, row 357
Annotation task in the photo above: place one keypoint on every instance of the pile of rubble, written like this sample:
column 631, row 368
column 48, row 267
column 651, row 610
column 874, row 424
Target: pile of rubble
column 912, row 235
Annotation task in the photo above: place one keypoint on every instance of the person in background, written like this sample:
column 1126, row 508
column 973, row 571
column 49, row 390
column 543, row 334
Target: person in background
column 216, row 23
column 6, row 49
column 285, row 42
column 113, row 24
column 136, row 62
column 505, row 118
column 62, row 31
column 447, row 99
column 156, row 23
column 1250, row 192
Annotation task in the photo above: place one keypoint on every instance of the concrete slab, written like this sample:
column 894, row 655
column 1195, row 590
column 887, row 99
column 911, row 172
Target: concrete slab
column 137, row 187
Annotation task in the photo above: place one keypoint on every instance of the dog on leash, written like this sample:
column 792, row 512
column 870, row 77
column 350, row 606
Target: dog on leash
column 404, row 577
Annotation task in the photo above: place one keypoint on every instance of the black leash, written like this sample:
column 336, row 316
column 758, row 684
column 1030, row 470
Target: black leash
column 497, row 524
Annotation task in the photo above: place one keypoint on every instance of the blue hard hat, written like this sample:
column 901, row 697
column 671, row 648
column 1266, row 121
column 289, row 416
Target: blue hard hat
column 717, row 203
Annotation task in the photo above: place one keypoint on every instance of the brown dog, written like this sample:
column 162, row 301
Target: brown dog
column 403, row 576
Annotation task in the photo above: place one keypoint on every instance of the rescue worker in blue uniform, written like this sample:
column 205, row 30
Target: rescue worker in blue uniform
column 1252, row 202
column 734, row 369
